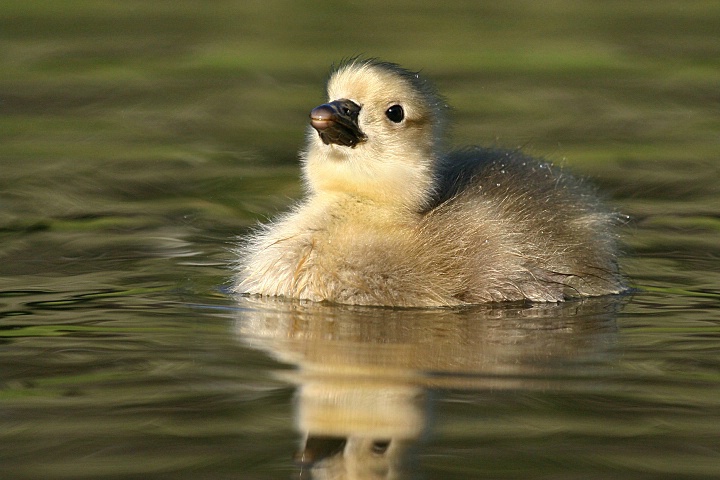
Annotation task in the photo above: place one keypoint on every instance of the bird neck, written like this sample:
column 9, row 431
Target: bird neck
column 391, row 183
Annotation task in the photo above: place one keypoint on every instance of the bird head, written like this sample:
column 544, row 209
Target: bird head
column 376, row 137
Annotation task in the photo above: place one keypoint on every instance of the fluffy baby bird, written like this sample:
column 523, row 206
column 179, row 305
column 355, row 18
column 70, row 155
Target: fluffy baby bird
column 391, row 219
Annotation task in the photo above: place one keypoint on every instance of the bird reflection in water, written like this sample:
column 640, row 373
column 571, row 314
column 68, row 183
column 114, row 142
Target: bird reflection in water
column 365, row 375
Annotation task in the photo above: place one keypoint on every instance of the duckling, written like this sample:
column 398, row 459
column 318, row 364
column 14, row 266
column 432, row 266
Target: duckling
column 392, row 219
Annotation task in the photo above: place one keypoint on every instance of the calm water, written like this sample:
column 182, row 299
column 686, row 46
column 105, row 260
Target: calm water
column 137, row 140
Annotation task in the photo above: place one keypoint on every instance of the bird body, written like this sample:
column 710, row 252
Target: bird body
column 391, row 220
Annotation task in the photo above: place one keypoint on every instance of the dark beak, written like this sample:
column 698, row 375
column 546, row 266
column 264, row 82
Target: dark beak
column 337, row 123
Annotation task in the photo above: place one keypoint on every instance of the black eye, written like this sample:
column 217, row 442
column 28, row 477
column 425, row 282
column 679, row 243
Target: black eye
column 380, row 446
column 395, row 113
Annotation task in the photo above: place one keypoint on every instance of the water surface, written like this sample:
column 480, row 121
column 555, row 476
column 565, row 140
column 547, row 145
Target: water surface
column 137, row 140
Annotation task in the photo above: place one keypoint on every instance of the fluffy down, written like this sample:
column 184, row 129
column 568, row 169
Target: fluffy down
column 391, row 219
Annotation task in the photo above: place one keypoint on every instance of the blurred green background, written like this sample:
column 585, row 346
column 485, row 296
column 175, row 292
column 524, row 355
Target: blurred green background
column 137, row 114
column 109, row 85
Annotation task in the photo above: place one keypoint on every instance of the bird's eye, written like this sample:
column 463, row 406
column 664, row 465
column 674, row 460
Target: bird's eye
column 395, row 113
column 380, row 446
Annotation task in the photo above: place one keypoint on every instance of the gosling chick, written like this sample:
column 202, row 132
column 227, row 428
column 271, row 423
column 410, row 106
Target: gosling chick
column 391, row 219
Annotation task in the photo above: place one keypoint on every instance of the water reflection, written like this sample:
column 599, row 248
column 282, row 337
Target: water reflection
column 365, row 376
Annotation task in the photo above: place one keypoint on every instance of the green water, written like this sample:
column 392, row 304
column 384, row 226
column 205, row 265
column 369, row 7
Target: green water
column 138, row 139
